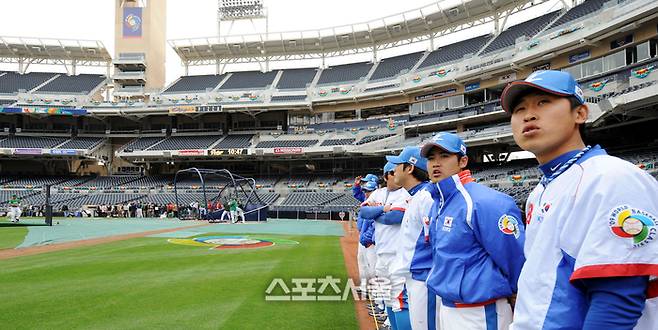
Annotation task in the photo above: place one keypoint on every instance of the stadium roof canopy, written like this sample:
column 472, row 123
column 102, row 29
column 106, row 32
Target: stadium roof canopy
column 23, row 50
column 421, row 24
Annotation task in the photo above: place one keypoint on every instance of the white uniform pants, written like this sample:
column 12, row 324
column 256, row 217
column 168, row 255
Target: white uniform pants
column 237, row 214
column 366, row 259
column 649, row 319
column 16, row 212
column 424, row 306
column 383, row 272
column 494, row 316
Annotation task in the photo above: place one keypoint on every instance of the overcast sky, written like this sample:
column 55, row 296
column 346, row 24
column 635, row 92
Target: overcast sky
column 93, row 20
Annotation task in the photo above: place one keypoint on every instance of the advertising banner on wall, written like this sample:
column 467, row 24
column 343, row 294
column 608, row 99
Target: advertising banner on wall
column 436, row 94
column 579, row 56
column 472, row 86
column 27, row 151
column 183, row 109
column 132, row 22
column 47, row 111
column 64, row 152
column 288, row 151
column 191, row 152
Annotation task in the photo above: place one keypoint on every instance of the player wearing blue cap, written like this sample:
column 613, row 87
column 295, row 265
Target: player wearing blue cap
column 591, row 222
column 414, row 258
column 366, row 255
column 386, row 208
column 477, row 242
column 357, row 192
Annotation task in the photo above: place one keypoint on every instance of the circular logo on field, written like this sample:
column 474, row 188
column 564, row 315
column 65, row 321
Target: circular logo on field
column 231, row 242
column 632, row 223
column 509, row 225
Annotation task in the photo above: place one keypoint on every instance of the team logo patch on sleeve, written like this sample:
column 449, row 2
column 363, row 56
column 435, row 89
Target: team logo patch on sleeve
column 509, row 225
column 632, row 223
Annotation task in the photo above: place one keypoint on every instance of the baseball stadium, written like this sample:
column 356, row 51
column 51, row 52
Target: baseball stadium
column 250, row 189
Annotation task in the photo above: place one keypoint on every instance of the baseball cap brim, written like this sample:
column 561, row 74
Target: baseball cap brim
column 394, row 159
column 425, row 150
column 517, row 89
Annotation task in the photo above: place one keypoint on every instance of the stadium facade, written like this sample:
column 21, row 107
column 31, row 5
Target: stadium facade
column 305, row 133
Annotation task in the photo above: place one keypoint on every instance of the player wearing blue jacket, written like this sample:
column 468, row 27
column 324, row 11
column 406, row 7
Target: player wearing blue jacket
column 366, row 255
column 357, row 190
column 477, row 242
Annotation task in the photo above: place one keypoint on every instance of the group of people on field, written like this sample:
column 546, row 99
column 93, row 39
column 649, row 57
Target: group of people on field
column 135, row 209
column 444, row 252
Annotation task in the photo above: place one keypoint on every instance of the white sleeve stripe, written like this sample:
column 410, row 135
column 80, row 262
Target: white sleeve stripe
column 467, row 198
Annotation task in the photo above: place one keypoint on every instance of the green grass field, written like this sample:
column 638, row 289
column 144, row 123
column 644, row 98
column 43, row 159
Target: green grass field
column 149, row 283
column 11, row 234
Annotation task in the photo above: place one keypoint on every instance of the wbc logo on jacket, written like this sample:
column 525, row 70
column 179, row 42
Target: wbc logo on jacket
column 632, row 223
column 509, row 225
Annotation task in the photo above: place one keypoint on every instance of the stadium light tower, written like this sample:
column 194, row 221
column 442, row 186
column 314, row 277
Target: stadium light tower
column 231, row 11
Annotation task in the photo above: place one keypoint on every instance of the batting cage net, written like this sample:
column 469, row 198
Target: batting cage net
column 217, row 195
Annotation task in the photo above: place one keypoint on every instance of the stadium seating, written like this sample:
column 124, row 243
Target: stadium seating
column 526, row 29
column 337, row 142
column 12, row 82
column 57, row 200
column 372, row 138
column 286, row 143
column 156, row 181
column 184, row 199
column 453, row 52
column 296, row 78
column 81, row 143
column 579, row 11
column 361, row 123
column 344, row 73
column 108, row 181
column 249, row 80
column 105, row 198
column 79, row 84
column 392, row 66
column 5, row 195
column 7, row 102
column 195, row 83
column 142, row 143
column 19, row 141
column 235, row 141
column 288, row 98
column 266, row 182
column 36, row 181
column 303, row 192
column 297, row 182
column 310, row 199
column 267, row 198
column 186, row 142
column 467, row 111
column 344, row 200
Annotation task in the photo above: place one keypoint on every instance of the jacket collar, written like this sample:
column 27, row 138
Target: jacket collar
column 448, row 186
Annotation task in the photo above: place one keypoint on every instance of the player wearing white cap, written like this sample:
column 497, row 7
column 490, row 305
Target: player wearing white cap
column 385, row 207
column 477, row 242
column 591, row 222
